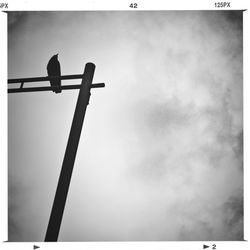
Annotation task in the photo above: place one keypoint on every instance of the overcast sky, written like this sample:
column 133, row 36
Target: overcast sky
column 160, row 154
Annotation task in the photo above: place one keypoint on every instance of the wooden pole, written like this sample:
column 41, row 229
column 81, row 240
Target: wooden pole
column 70, row 154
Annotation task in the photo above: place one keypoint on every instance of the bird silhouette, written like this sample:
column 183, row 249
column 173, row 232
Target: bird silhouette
column 53, row 69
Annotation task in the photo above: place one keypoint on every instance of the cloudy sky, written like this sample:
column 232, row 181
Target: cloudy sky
column 160, row 155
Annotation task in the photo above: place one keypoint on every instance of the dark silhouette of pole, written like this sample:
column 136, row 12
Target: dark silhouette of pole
column 70, row 154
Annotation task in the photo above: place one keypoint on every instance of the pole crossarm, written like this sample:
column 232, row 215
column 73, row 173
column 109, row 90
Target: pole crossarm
column 48, row 88
column 46, row 78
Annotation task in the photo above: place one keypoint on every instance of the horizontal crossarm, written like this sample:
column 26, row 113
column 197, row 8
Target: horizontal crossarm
column 65, row 87
column 46, row 78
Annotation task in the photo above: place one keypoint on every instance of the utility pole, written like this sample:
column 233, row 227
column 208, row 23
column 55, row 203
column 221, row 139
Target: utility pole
column 70, row 154
column 73, row 140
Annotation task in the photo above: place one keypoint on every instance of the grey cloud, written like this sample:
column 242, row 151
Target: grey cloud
column 16, row 18
column 233, row 217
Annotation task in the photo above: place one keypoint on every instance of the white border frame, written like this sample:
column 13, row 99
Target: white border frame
column 30, row 5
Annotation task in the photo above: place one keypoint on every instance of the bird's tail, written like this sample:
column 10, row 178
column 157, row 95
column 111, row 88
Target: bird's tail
column 57, row 90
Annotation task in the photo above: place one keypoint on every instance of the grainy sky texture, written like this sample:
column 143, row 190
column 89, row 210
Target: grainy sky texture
column 160, row 155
